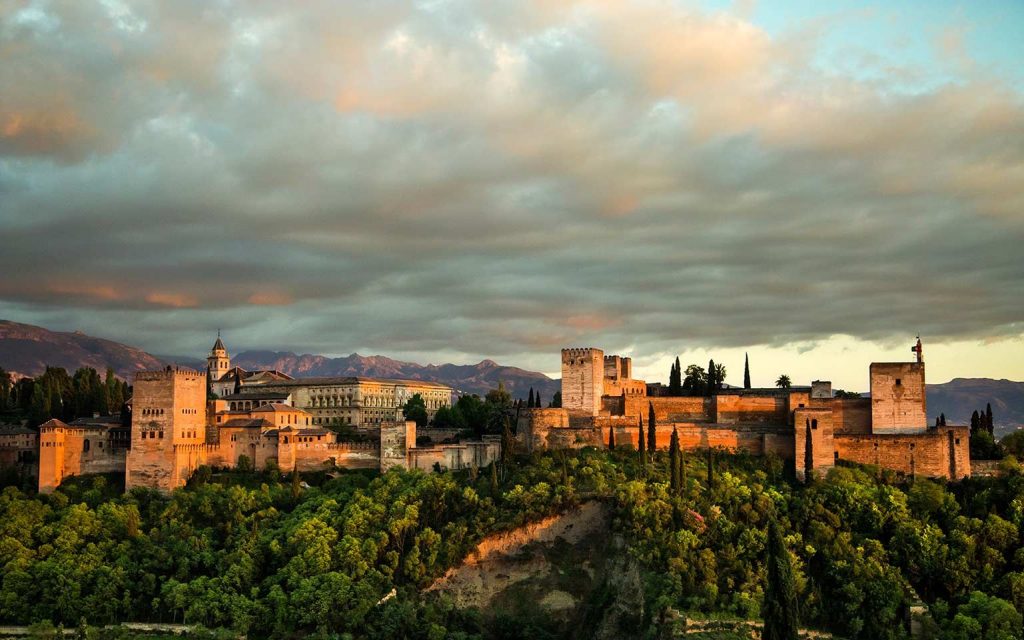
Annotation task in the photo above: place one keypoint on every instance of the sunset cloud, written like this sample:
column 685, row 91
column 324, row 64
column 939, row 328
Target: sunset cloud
column 471, row 179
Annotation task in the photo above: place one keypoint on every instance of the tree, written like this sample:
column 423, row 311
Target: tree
column 673, row 462
column 780, row 608
column 611, row 438
column 711, row 468
column 719, row 376
column 499, row 408
column 988, row 419
column 942, row 419
column 808, row 454
column 652, row 430
column 556, row 401
column 416, row 409
column 114, row 391
column 696, row 380
column 536, row 400
column 746, row 371
column 507, row 447
column 6, row 384
column 712, row 384
column 975, row 423
column 783, row 382
column 529, row 402
column 675, row 379
column 640, row 444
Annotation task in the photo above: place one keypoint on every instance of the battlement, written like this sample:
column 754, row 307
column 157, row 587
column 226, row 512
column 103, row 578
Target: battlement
column 580, row 352
column 170, row 373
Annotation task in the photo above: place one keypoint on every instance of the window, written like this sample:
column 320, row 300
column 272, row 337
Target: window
column 899, row 382
column 85, row 445
column 814, row 424
column 835, row 456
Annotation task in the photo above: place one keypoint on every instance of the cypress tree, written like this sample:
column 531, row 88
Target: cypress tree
column 673, row 461
column 711, row 468
column 808, row 455
column 988, row 418
column 975, row 422
column 640, row 444
column 494, row 479
column 529, row 402
column 536, row 401
column 780, row 614
column 712, row 379
column 652, row 429
column 507, row 446
column 611, row 438
column 746, row 371
column 942, row 419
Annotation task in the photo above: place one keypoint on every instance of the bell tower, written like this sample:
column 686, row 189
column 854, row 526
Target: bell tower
column 218, row 361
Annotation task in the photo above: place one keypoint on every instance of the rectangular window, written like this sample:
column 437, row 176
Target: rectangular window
column 899, row 382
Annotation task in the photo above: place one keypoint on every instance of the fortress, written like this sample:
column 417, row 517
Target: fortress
column 228, row 417
column 804, row 424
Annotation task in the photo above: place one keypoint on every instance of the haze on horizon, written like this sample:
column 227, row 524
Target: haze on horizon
column 452, row 181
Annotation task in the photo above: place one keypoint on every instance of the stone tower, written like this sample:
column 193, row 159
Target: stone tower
column 218, row 361
column 168, row 428
column 582, row 380
column 898, row 395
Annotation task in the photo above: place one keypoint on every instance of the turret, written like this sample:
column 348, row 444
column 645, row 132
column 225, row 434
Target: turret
column 218, row 362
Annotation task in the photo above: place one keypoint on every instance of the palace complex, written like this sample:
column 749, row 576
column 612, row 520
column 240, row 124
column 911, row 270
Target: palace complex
column 228, row 417
column 804, row 424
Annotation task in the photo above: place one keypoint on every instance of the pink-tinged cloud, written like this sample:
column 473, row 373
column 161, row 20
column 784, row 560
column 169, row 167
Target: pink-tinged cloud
column 175, row 300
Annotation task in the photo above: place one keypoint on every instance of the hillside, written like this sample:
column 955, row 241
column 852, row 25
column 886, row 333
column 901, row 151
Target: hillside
column 26, row 350
column 471, row 378
column 960, row 396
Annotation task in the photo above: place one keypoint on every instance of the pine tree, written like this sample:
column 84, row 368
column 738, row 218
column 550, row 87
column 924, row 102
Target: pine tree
column 780, row 607
column 746, row 371
column 611, row 438
column 673, row 462
column 652, row 430
column 640, row 444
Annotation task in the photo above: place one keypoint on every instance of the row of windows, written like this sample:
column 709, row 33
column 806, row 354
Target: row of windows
column 152, row 434
column 152, row 412
column 190, row 412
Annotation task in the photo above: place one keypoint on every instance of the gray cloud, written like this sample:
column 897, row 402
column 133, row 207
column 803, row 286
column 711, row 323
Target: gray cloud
column 503, row 178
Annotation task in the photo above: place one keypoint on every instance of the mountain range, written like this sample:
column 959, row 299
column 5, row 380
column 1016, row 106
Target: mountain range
column 27, row 349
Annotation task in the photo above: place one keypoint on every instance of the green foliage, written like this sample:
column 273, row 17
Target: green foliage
column 1013, row 444
column 783, row 382
column 270, row 558
column 416, row 409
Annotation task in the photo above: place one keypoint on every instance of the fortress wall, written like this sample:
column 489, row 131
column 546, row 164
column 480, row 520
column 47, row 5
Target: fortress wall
column 782, row 445
column 455, row 456
column 746, row 409
column 942, row 453
column 851, row 416
column 315, row 456
column 671, row 409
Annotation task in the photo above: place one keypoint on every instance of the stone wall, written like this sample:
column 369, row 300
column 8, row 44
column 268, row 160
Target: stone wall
column 943, row 452
column 851, row 416
column 456, row 456
column 395, row 439
column 671, row 409
column 750, row 409
column 898, row 397
column 63, row 453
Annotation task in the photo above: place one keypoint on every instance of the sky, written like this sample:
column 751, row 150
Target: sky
column 812, row 183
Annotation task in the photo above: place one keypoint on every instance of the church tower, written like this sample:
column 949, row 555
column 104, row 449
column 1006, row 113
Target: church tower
column 218, row 362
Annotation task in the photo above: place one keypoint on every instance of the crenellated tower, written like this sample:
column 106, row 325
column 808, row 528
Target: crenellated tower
column 582, row 380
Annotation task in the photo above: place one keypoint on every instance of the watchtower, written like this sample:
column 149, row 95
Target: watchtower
column 582, row 379
column 168, row 428
column 218, row 362
column 898, row 395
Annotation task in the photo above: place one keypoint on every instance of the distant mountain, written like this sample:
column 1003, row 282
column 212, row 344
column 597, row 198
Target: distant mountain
column 470, row 378
column 960, row 396
column 26, row 350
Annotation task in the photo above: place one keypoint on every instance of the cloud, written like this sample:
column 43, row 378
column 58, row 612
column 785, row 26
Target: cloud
column 495, row 179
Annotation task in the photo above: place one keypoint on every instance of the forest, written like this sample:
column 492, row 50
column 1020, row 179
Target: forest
column 281, row 556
